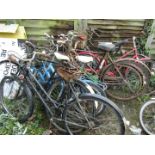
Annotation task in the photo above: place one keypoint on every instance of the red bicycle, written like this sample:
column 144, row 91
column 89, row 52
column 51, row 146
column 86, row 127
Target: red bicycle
column 125, row 80
column 143, row 61
column 146, row 62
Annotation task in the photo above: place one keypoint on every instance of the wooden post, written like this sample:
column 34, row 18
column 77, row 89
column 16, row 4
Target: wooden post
column 80, row 25
column 151, row 36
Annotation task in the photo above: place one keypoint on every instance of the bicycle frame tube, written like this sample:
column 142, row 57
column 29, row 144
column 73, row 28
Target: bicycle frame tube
column 101, row 62
column 31, row 78
column 135, row 55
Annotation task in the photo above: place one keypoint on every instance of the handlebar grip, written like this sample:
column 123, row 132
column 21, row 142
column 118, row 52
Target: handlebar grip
column 12, row 58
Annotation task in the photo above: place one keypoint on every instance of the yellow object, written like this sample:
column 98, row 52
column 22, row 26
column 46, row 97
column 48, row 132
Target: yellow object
column 12, row 31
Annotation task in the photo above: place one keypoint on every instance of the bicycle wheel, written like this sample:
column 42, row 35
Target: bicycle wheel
column 61, row 94
column 124, row 81
column 58, row 91
column 144, row 69
column 98, row 90
column 145, row 59
column 16, row 98
column 147, row 117
column 80, row 118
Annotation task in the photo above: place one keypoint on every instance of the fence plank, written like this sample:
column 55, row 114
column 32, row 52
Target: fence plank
column 116, row 22
column 103, row 31
column 115, row 27
column 48, row 23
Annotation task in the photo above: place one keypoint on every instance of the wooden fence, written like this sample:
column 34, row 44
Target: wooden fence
column 35, row 28
column 115, row 30
column 109, row 29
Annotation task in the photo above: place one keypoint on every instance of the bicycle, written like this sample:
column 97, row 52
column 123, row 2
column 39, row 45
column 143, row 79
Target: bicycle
column 83, row 117
column 147, row 117
column 141, row 60
column 115, row 73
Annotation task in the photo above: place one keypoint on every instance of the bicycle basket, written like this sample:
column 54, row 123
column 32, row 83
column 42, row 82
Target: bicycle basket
column 68, row 73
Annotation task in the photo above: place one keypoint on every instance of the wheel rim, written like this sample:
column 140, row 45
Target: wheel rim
column 125, row 84
column 108, row 122
column 147, row 117
column 15, row 99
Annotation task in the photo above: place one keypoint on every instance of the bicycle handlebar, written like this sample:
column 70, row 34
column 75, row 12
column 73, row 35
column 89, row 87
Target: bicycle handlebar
column 14, row 58
column 30, row 44
column 134, row 41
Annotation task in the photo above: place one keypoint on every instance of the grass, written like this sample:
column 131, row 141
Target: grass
column 36, row 125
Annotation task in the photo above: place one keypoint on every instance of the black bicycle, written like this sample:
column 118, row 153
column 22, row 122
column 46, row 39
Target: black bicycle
column 76, row 113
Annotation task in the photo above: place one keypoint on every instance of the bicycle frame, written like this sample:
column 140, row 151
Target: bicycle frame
column 102, row 61
column 135, row 55
column 44, row 96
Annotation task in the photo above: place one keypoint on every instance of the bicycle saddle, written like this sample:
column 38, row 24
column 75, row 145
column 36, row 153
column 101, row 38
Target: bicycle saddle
column 84, row 59
column 60, row 56
column 110, row 47
column 106, row 46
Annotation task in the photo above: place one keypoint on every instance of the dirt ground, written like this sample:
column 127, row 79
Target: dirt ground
column 131, row 112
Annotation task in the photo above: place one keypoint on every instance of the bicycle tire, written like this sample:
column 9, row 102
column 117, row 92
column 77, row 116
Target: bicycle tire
column 11, row 104
column 136, row 70
column 148, row 110
column 70, row 115
column 98, row 90
column 145, row 71
column 57, row 92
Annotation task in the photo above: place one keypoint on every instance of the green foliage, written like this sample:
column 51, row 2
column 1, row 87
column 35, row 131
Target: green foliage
column 33, row 128
column 93, row 78
column 36, row 125
column 152, row 81
column 142, row 40
column 10, row 126
column 143, row 98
